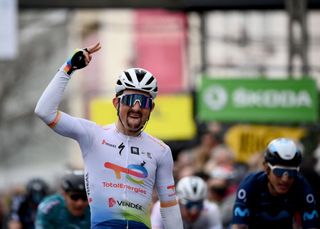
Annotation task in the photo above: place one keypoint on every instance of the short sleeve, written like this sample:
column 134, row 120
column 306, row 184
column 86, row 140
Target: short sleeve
column 309, row 212
column 241, row 209
column 164, row 178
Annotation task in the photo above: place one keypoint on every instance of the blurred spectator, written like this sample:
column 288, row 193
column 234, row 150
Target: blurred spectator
column 187, row 170
column 220, row 184
column 316, row 156
column 68, row 209
column 220, row 156
column 222, row 189
column 3, row 212
column 24, row 206
column 255, row 162
column 196, row 211
column 198, row 156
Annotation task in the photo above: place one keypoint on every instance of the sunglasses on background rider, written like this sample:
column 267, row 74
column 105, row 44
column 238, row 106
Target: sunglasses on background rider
column 131, row 99
column 77, row 196
column 279, row 171
column 193, row 205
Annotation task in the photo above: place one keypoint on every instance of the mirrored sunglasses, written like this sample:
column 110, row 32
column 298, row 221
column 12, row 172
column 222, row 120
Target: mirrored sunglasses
column 131, row 99
column 77, row 196
column 193, row 205
column 279, row 171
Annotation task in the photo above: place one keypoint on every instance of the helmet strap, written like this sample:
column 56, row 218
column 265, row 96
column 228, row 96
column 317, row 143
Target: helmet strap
column 141, row 128
column 118, row 108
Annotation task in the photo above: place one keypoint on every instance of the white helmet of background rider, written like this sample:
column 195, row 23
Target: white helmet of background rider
column 191, row 188
column 137, row 79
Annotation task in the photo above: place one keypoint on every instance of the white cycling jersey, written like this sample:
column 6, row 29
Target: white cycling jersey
column 209, row 218
column 120, row 170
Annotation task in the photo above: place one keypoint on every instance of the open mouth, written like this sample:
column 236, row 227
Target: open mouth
column 134, row 115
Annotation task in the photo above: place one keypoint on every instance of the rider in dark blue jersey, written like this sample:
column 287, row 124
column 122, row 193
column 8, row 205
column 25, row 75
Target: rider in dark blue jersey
column 278, row 196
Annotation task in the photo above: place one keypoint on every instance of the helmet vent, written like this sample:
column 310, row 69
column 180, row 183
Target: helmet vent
column 194, row 189
column 150, row 80
column 137, row 79
column 128, row 76
column 140, row 74
column 129, row 85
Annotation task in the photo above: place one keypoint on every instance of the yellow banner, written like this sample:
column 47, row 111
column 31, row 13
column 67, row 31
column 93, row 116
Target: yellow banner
column 170, row 120
column 247, row 140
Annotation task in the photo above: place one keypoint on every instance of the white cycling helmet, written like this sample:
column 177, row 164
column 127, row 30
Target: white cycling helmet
column 137, row 79
column 283, row 151
column 191, row 188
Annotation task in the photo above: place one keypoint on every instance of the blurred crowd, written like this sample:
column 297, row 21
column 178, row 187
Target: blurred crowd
column 211, row 159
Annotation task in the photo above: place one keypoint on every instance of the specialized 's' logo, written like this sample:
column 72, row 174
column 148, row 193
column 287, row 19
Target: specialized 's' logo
column 132, row 172
column 242, row 213
column 121, row 147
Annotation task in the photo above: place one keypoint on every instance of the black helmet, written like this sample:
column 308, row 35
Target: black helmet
column 37, row 189
column 283, row 151
column 73, row 181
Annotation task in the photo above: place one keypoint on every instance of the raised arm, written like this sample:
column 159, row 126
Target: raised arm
column 47, row 106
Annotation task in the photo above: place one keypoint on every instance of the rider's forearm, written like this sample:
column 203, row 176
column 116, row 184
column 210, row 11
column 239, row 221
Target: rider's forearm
column 47, row 106
column 171, row 217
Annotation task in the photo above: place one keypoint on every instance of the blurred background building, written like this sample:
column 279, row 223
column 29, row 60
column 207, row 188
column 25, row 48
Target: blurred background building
column 181, row 42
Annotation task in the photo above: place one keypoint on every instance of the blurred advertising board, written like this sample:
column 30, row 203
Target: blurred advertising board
column 171, row 119
column 247, row 140
column 160, row 42
column 8, row 29
column 257, row 100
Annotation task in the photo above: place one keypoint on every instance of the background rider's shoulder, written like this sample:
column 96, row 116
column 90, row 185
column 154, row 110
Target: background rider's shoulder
column 51, row 204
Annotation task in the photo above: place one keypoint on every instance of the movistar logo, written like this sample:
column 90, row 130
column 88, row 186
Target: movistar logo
column 310, row 216
column 241, row 213
column 280, row 216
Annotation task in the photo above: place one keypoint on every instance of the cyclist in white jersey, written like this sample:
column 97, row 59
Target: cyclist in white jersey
column 197, row 212
column 122, row 162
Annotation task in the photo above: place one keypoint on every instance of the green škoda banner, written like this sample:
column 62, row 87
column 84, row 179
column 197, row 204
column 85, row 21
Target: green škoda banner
column 257, row 100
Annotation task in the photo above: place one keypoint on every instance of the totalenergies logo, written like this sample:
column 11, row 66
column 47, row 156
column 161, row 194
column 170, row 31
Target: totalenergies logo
column 132, row 172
